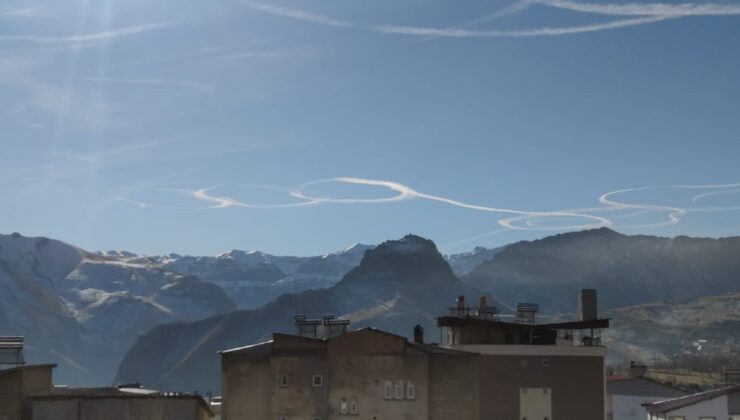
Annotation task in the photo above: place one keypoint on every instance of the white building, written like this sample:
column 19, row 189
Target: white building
column 717, row 404
column 627, row 394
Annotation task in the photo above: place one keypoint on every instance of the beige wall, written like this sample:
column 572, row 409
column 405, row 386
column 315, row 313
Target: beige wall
column 247, row 382
column 453, row 387
column 299, row 399
column 16, row 383
column 576, row 383
column 10, row 395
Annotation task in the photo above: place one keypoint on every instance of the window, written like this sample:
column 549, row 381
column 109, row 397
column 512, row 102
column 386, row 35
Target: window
column 399, row 390
column 343, row 409
column 388, row 390
column 410, row 390
column 353, row 409
column 707, row 418
column 317, row 381
column 283, row 381
column 677, row 418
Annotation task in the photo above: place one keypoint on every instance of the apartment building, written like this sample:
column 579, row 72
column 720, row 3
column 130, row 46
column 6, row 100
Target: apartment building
column 485, row 367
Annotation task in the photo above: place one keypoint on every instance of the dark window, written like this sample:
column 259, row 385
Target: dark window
column 318, row 380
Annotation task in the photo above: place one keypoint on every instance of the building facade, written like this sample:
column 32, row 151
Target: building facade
column 716, row 404
column 365, row 374
column 27, row 392
column 483, row 369
column 17, row 383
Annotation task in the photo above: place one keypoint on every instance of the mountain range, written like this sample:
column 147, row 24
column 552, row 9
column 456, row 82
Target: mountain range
column 83, row 310
column 397, row 285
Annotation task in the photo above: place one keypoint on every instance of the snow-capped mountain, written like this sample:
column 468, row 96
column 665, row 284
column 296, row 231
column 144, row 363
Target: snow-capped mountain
column 465, row 262
column 397, row 284
column 254, row 278
column 82, row 310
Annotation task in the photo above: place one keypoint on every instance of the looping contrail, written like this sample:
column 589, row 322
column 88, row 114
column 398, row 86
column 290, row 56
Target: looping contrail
column 517, row 219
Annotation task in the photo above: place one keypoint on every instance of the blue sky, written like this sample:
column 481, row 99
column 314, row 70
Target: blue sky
column 300, row 127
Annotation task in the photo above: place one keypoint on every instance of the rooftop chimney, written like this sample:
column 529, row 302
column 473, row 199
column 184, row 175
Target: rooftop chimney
column 418, row 334
column 482, row 304
column 637, row 370
column 461, row 302
column 587, row 305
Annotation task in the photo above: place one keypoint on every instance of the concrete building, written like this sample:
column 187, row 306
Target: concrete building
column 27, row 393
column 17, row 383
column 717, row 404
column 626, row 394
column 366, row 373
column 484, row 368
column 116, row 404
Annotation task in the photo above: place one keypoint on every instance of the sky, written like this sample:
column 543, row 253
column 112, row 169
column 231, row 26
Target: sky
column 302, row 127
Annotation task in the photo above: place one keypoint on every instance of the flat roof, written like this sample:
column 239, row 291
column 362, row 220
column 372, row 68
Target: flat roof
column 676, row 403
column 26, row 367
column 453, row 321
column 60, row 394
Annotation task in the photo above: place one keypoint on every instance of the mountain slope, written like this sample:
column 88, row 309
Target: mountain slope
column 397, row 284
column 254, row 278
column 656, row 332
column 627, row 270
column 83, row 310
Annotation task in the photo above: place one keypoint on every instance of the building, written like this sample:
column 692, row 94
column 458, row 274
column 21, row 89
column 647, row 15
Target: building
column 17, row 384
column 27, row 393
column 484, row 368
column 716, row 404
column 116, row 404
column 626, row 394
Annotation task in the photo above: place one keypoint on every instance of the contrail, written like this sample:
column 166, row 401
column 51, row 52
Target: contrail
column 639, row 13
column 547, row 31
column 646, row 9
column 75, row 39
column 518, row 220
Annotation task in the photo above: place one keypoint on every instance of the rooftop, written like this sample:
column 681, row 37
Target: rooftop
column 676, row 403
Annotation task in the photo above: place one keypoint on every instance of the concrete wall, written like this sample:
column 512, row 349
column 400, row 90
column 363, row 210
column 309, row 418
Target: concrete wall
column 577, row 385
column 300, row 399
column 11, row 396
column 247, row 383
column 118, row 408
column 18, row 382
column 361, row 363
column 453, row 387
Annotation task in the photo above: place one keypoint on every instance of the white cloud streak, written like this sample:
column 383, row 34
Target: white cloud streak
column 547, row 31
column 82, row 38
column 27, row 12
column 154, row 82
column 639, row 13
column 646, row 9
column 297, row 14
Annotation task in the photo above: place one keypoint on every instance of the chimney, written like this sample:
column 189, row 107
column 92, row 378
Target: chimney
column 461, row 302
column 637, row 370
column 482, row 304
column 587, row 305
column 418, row 334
